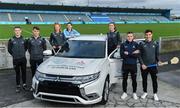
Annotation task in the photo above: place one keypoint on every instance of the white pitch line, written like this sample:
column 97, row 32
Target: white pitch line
column 27, row 31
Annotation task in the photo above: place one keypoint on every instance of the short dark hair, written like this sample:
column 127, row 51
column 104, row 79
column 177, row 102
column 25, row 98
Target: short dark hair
column 56, row 23
column 148, row 30
column 130, row 32
column 36, row 28
column 69, row 23
column 17, row 27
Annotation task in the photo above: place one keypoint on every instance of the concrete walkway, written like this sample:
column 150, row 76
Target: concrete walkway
column 169, row 96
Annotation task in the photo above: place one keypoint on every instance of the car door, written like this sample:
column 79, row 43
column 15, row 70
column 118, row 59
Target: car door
column 115, row 65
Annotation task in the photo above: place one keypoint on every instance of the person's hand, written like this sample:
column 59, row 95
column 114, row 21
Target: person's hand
column 126, row 53
column 59, row 47
column 160, row 63
column 54, row 47
column 136, row 52
column 144, row 67
column 118, row 46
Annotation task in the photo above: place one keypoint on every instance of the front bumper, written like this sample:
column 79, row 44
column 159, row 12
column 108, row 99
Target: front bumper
column 66, row 92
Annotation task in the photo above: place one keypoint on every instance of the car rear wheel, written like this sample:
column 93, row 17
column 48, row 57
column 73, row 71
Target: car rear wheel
column 105, row 94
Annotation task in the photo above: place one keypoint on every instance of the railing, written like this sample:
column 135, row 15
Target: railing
column 169, row 44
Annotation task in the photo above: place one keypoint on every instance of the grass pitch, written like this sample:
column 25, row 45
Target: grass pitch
column 6, row 31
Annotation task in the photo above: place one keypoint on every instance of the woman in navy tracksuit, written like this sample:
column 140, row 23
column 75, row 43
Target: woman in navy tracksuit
column 57, row 38
column 114, row 39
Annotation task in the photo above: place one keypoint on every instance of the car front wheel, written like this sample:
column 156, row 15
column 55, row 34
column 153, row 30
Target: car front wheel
column 105, row 94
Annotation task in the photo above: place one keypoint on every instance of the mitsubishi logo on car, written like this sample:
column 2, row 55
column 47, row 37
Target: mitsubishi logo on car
column 58, row 79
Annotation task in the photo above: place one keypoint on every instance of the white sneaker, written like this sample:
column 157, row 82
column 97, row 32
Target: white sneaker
column 135, row 96
column 144, row 95
column 124, row 95
column 156, row 97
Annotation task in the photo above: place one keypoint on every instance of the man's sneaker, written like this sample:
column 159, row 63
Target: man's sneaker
column 156, row 97
column 25, row 87
column 124, row 95
column 144, row 95
column 18, row 88
column 135, row 96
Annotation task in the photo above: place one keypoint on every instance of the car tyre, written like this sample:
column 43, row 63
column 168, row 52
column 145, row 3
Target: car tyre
column 105, row 94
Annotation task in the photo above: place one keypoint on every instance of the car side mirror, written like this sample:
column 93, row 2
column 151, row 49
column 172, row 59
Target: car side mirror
column 47, row 53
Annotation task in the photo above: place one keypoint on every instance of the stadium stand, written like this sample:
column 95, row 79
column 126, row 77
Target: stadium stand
column 100, row 18
column 11, row 12
column 4, row 17
column 20, row 17
column 78, row 17
column 114, row 18
column 44, row 17
column 53, row 17
column 176, row 19
column 161, row 18
column 144, row 18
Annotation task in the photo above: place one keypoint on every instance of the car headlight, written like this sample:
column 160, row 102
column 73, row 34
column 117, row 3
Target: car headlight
column 86, row 78
column 39, row 75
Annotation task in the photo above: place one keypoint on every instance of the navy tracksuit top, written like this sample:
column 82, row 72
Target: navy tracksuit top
column 130, row 47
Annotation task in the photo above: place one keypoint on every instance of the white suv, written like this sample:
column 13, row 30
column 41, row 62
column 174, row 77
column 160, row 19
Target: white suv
column 82, row 74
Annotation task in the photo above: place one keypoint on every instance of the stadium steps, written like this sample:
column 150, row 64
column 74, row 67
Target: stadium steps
column 89, row 18
column 40, row 17
column 66, row 18
column 9, row 17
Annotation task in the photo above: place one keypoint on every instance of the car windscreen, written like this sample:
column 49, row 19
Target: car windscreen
column 84, row 49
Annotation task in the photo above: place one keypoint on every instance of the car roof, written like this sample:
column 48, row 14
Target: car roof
column 90, row 38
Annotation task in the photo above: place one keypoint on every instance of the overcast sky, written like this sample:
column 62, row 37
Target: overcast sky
column 170, row 4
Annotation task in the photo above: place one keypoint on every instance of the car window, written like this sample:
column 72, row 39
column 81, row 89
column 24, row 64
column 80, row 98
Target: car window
column 116, row 54
column 84, row 49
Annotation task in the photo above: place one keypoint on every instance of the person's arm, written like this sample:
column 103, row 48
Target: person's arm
column 51, row 39
column 65, row 32
column 44, row 44
column 64, row 38
column 133, row 55
column 25, row 44
column 143, row 66
column 157, row 52
column 10, row 46
column 75, row 32
column 29, row 45
column 119, row 40
column 136, row 53
column 122, row 50
column 140, row 55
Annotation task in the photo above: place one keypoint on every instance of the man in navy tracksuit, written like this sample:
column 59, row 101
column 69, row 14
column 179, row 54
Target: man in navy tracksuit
column 129, row 53
column 149, row 56
column 17, row 47
column 36, row 46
